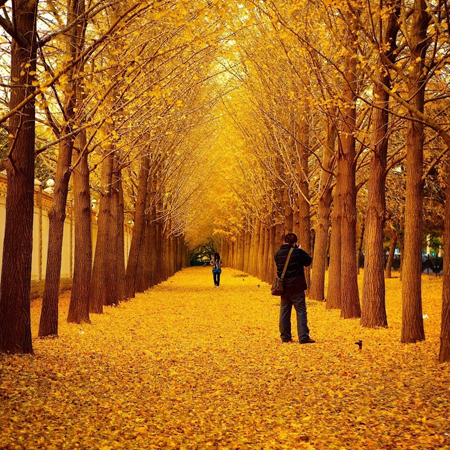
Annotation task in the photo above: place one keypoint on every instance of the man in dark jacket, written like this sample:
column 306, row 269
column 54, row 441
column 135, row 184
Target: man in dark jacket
column 294, row 289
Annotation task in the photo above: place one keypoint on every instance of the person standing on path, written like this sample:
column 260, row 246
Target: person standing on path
column 294, row 289
column 216, row 262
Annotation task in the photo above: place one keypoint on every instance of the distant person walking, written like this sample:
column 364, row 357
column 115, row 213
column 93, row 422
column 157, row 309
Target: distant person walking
column 216, row 262
column 294, row 292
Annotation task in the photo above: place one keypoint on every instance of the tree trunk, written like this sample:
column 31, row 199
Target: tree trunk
column 317, row 290
column 48, row 325
column 120, row 240
column 288, row 213
column 334, row 300
column 346, row 167
column 111, row 262
column 412, row 320
column 15, row 322
column 373, row 298
column 79, row 299
column 246, row 251
column 401, row 244
column 153, row 246
column 157, row 257
column 144, row 256
column 260, row 256
column 97, row 299
column 232, row 254
column 304, row 216
column 360, row 245
column 390, row 260
column 444, row 350
column 241, row 251
column 256, row 255
column 138, row 229
column 272, row 250
column 167, row 249
column 146, row 276
column 276, row 242
column 266, row 256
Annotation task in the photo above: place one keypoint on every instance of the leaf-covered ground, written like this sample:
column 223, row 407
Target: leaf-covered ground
column 189, row 366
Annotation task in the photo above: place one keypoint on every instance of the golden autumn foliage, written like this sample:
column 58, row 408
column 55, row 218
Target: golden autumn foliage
column 188, row 366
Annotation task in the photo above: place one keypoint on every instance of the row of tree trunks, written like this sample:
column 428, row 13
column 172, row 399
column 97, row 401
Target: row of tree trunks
column 156, row 252
column 252, row 252
column 48, row 324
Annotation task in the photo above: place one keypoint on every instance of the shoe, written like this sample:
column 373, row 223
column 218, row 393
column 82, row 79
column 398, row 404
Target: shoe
column 307, row 341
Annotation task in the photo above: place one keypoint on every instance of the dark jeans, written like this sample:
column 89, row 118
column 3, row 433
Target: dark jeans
column 216, row 277
column 296, row 298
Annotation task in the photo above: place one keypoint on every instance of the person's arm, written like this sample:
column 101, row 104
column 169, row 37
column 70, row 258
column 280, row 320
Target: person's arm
column 308, row 259
column 305, row 259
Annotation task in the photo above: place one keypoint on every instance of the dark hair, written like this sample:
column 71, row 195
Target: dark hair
column 216, row 256
column 290, row 238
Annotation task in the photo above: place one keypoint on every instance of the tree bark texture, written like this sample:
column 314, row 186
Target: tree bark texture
column 374, row 293
column 111, row 262
column 79, row 298
column 15, row 322
column 303, row 209
column 412, row 319
column 144, row 253
column 334, row 300
column 266, row 245
column 346, row 167
column 373, row 312
column 48, row 325
column 444, row 350
column 120, row 239
column 138, row 229
column 256, row 254
column 390, row 260
column 288, row 213
column 360, row 244
column 97, row 299
column 241, row 261
column 149, row 254
column 319, row 263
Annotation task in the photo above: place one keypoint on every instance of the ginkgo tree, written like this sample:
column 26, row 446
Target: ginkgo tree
column 231, row 121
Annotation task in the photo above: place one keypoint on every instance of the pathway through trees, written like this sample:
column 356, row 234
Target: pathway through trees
column 186, row 365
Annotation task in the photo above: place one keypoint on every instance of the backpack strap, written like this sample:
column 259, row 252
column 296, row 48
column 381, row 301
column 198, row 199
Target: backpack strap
column 287, row 262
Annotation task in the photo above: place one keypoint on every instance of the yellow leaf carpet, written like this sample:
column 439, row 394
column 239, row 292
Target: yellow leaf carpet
column 189, row 366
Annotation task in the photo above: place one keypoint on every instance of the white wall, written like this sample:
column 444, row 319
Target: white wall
column 41, row 237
